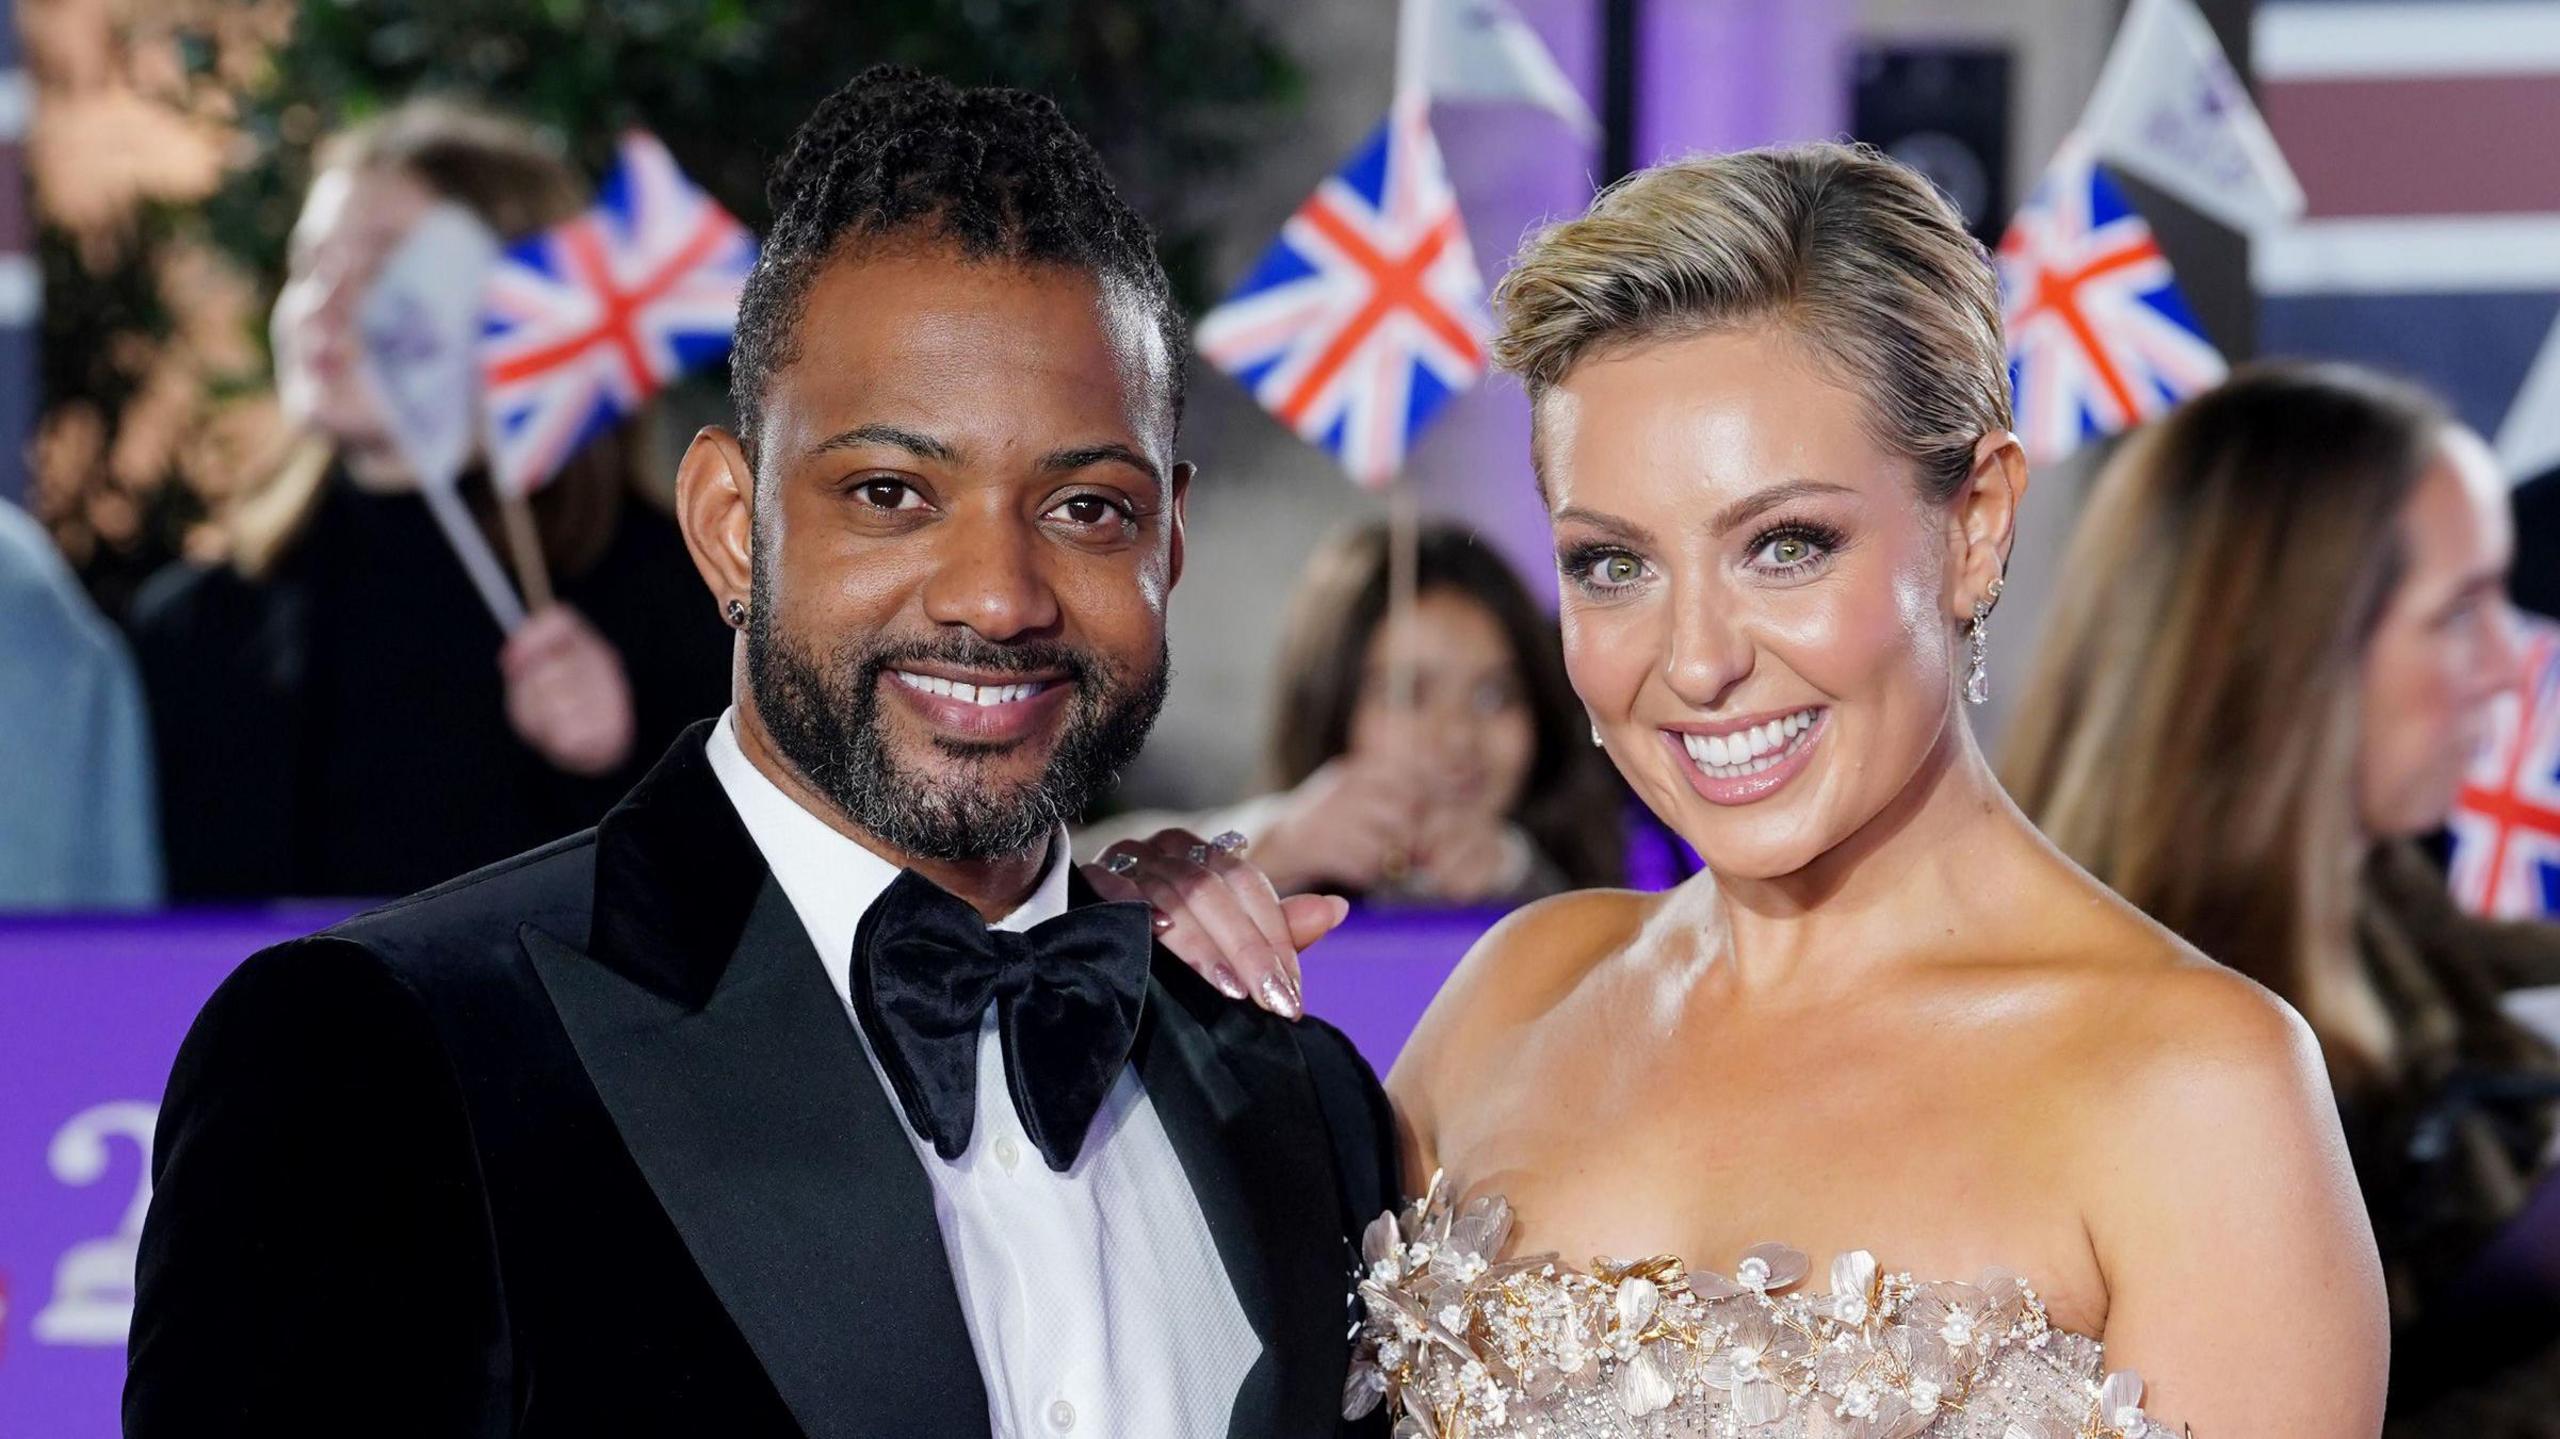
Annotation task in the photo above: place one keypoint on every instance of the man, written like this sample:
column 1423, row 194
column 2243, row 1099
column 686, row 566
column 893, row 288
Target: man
column 714, row 1122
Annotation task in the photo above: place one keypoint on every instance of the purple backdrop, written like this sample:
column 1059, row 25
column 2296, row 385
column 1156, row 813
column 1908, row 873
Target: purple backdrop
column 91, row 1012
column 1712, row 75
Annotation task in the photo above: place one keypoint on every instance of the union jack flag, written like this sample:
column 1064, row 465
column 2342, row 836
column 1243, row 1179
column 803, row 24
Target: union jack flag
column 1367, row 313
column 2099, row 337
column 2506, row 827
column 593, row 316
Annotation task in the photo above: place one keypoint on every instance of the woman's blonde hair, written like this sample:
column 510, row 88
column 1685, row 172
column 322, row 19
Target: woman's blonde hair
column 1850, row 252
column 517, row 182
column 2189, row 731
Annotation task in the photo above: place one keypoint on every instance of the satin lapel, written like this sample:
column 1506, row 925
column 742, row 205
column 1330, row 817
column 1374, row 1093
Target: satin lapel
column 736, row 1081
column 1240, row 1108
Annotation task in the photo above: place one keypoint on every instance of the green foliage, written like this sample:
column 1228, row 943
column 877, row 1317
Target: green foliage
column 1170, row 90
column 143, row 428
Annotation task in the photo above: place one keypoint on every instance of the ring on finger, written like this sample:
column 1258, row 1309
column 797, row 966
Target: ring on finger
column 1120, row 862
column 1199, row 854
column 1230, row 842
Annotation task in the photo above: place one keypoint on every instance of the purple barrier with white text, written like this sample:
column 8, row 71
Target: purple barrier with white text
column 91, row 1012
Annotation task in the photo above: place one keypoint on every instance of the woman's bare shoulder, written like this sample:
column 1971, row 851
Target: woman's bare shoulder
column 2153, row 1003
column 2170, row 1058
column 1519, row 969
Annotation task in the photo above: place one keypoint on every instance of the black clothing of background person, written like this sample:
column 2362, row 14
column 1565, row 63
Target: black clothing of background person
column 2534, row 582
column 585, row 1144
column 340, row 728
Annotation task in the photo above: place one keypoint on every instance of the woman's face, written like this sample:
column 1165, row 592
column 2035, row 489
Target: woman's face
column 1757, row 600
column 2445, row 648
column 1471, row 739
column 351, row 222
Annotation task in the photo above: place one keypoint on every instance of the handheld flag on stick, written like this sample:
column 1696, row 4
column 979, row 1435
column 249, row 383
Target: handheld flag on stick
column 2506, row 826
column 1483, row 50
column 420, row 324
column 2099, row 337
column 2170, row 110
column 2529, row 437
column 593, row 316
column 1367, row 313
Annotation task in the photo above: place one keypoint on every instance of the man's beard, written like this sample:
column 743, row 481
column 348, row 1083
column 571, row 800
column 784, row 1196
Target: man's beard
column 823, row 712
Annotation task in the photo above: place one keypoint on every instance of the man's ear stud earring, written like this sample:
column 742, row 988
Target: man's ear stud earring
column 737, row 613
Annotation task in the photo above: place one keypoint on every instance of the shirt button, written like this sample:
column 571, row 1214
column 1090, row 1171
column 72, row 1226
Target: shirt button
column 1062, row 1416
column 1009, row 1154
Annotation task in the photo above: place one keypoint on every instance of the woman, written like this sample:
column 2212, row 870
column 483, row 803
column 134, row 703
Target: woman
column 1481, row 791
column 2257, row 787
column 1890, row 1023
column 335, row 711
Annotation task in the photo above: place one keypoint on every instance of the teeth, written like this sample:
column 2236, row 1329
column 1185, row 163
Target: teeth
column 1747, row 752
column 981, row 695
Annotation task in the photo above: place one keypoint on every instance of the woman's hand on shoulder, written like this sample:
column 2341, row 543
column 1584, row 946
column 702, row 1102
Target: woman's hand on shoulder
column 2241, row 1274
column 1220, row 914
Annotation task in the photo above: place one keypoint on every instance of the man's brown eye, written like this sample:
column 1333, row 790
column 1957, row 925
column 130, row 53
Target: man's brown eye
column 886, row 494
column 1088, row 510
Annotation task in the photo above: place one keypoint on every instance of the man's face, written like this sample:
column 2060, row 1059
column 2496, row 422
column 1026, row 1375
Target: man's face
column 967, row 520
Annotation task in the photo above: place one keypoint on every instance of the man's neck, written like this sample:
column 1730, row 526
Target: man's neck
column 994, row 886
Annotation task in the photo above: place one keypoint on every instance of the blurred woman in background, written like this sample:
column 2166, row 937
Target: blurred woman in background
column 335, row 711
column 1486, row 790
column 2281, row 629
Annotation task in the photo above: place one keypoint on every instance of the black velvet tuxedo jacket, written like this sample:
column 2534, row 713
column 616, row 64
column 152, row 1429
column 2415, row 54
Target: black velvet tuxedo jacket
column 584, row 1144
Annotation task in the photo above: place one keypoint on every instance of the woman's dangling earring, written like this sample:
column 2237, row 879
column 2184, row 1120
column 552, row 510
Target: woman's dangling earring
column 1977, row 679
column 1596, row 741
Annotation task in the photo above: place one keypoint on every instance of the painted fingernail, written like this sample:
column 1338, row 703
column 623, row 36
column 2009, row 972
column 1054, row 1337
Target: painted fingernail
column 1277, row 998
column 1227, row 983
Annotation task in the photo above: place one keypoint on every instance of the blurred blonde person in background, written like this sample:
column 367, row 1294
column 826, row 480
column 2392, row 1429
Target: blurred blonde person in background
column 1487, row 790
column 2281, row 627
column 335, row 711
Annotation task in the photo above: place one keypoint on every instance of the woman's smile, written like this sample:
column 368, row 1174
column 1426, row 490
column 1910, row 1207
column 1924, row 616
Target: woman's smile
column 1744, row 763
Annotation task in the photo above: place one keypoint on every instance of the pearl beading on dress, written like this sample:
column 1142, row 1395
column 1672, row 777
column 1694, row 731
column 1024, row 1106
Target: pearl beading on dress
column 1461, row 1342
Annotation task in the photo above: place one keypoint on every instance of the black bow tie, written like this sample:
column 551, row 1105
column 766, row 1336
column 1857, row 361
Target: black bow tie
column 1067, row 995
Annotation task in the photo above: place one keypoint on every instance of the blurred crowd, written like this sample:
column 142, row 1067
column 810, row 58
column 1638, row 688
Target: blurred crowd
column 2281, row 629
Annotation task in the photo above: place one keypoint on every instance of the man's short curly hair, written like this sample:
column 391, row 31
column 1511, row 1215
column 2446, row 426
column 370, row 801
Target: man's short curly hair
column 996, row 174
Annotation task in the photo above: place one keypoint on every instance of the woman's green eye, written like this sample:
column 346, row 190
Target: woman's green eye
column 1620, row 570
column 1790, row 552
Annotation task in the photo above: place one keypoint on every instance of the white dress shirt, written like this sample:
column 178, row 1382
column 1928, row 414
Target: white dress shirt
column 1095, row 1298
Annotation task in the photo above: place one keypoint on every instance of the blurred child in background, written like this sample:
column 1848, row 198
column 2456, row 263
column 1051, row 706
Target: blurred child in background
column 1486, row 791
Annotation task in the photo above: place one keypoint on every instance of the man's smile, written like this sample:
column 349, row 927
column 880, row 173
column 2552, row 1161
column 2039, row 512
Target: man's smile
column 981, row 707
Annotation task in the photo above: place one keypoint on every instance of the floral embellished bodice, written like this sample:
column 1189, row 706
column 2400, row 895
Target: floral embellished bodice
column 1464, row 1343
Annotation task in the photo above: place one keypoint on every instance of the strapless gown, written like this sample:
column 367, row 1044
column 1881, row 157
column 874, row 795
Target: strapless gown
column 1464, row 1343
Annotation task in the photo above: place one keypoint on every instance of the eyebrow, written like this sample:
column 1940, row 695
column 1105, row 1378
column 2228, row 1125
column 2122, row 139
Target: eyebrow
column 1733, row 516
column 1606, row 523
column 1058, row 462
column 927, row 447
column 921, row 446
column 1750, row 507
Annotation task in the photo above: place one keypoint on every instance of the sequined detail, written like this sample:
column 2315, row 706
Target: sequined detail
column 1461, row 1342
